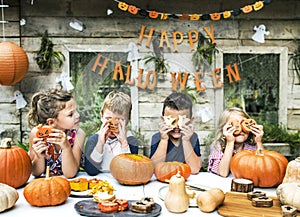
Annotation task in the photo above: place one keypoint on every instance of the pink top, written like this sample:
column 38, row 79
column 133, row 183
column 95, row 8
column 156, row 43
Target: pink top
column 216, row 155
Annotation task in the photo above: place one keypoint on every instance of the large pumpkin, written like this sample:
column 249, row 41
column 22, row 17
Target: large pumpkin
column 13, row 63
column 15, row 166
column 165, row 170
column 131, row 169
column 48, row 191
column 265, row 168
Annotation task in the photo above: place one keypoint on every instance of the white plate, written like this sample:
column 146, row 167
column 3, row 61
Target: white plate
column 81, row 194
column 193, row 201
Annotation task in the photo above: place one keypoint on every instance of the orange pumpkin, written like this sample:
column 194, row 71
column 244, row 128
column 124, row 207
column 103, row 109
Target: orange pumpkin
column 13, row 63
column 165, row 170
column 265, row 168
column 215, row 16
column 131, row 169
column 48, row 191
column 15, row 164
column 133, row 9
column 153, row 14
column 247, row 9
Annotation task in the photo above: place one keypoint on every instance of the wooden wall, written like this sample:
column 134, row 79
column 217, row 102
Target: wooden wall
column 281, row 18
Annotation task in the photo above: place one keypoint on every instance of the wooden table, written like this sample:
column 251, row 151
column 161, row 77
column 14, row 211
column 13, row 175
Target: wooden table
column 152, row 189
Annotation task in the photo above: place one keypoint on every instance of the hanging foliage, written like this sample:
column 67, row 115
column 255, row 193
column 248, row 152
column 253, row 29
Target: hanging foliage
column 46, row 57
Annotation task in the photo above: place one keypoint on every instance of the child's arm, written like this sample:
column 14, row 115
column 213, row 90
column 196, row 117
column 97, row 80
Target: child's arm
column 191, row 158
column 38, row 149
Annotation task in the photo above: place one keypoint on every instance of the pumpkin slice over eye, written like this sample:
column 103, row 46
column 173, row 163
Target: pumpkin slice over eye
column 169, row 120
column 246, row 124
column 237, row 125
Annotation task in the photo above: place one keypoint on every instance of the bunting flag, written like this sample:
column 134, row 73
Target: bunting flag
column 153, row 14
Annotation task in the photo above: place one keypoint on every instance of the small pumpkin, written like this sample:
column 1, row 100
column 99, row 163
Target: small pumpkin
column 131, row 169
column 48, row 191
column 153, row 14
column 123, row 6
column 258, row 5
column 165, row 170
column 246, row 124
column 289, row 194
column 265, row 168
column 247, row 9
column 177, row 199
column 215, row 16
column 15, row 164
column 209, row 200
column 292, row 173
column 133, row 9
column 8, row 197
column 195, row 17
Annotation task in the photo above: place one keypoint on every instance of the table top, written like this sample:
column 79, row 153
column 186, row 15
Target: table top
column 151, row 189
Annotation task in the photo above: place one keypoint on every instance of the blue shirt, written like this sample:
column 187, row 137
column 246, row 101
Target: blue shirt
column 175, row 153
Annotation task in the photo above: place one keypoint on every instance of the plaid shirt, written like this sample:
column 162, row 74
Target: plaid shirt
column 216, row 155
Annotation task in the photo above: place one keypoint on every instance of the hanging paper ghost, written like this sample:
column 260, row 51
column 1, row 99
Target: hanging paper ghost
column 65, row 82
column 259, row 36
column 205, row 114
column 133, row 52
column 20, row 101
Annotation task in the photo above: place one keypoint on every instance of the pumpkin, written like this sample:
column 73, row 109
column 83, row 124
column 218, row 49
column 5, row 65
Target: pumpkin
column 247, row 9
column 8, row 197
column 15, row 164
column 165, row 170
column 246, row 124
column 289, row 194
column 195, row 17
column 258, row 5
column 131, row 169
column 176, row 199
column 209, row 200
column 265, row 168
column 215, row 16
column 123, row 6
column 153, row 14
column 226, row 14
column 133, row 9
column 13, row 63
column 292, row 173
column 48, row 191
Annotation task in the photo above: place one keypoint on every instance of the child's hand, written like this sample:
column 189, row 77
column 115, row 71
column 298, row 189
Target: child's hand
column 187, row 132
column 122, row 137
column 40, row 147
column 228, row 130
column 58, row 137
column 258, row 132
column 164, row 129
column 103, row 133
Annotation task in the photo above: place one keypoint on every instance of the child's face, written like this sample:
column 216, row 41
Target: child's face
column 242, row 137
column 107, row 114
column 68, row 118
column 175, row 133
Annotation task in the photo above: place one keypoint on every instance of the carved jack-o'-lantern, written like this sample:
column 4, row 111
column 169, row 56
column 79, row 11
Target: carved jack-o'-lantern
column 247, row 9
column 133, row 9
column 164, row 16
column 123, row 6
column 195, row 17
column 258, row 5
column 153, row 14
column 215, row 16
column 13, row 63
column 226, row 14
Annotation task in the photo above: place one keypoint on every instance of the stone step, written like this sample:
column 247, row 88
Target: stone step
column 282, row 148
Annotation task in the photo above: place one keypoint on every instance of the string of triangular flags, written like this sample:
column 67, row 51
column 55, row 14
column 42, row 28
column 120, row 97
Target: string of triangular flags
column 153, row 14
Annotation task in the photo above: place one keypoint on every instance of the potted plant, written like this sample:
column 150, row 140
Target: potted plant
column 47, row 57
column 277, row 137
column 160, row 65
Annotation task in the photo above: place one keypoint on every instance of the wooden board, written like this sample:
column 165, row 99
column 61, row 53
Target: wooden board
column 237, row 205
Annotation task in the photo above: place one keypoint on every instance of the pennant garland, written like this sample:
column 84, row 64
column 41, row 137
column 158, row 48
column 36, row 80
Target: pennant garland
column 153, row 14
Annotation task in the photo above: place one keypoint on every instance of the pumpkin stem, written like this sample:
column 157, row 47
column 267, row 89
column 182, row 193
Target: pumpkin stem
column 6, row 143
column 178, row 174
column 47, row 172
column 259, row 152
column 297, row 159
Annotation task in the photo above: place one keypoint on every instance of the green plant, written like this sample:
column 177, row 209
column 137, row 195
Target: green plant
column 23, row 145
column 279, row 133
column 160, row 64
column 205, row 52
column 295, row 59
column 46, row 57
